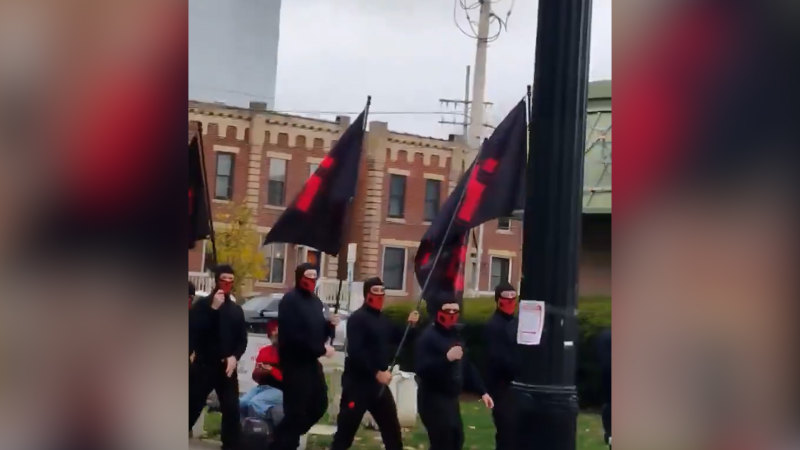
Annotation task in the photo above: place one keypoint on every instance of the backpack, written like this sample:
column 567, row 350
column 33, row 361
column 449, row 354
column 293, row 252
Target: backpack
column 256, row 434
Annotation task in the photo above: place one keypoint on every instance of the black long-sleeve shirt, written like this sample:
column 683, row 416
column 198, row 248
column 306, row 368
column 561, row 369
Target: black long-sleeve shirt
column 499, row 335
column 303, row 328
column 371, row 337
column 436, row 373
column 217, row 334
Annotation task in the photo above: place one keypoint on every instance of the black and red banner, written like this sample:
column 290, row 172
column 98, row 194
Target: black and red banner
column 490, row 189
column 198, row 212
column 316, row 216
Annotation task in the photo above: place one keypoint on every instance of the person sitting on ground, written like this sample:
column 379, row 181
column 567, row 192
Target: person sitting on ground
column 259, row 401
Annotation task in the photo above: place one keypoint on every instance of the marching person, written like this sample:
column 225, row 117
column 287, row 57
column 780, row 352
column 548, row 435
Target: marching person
column 217, row 340
column 365, row 379
column 259, row 400
column 304, row 336
column 501, row 364
column 442, row 374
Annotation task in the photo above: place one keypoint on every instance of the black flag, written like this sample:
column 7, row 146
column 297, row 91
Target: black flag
column 198, row 211
column 316, row 216
column 488, row 190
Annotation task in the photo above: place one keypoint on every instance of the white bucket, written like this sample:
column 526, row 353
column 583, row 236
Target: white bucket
column 404, row 390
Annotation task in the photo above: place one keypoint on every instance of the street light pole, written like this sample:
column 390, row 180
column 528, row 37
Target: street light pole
column 545, row 387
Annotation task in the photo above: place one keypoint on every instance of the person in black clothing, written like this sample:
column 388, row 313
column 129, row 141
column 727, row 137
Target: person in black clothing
column 304, row 336
column 604, row 355
column 442, row 373
column 369, row 335
column 217, row 340
column 501, row 366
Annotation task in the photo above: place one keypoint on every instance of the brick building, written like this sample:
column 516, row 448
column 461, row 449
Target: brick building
column 262, row 158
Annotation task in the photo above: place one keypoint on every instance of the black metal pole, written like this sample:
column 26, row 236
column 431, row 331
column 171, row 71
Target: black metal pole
column 206, row 196
column 545, row 388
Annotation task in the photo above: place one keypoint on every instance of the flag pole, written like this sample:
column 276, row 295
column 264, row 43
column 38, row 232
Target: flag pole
column 430, row 273
column 341, row 269
column 206, row 197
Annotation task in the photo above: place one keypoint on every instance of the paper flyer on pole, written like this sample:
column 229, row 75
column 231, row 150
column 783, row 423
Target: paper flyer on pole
column 531, row 322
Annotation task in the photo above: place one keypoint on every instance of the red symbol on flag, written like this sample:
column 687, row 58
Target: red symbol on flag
column 311, row 188
column 474, row 193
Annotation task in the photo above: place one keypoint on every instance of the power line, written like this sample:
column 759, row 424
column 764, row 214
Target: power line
column 410, row 113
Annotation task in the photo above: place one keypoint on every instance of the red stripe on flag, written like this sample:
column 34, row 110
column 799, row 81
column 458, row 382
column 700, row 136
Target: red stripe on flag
column 424, row 259
column 326, row 163
column 459, row 280
column 489, row 165
column 472, row 199
column 309, row 192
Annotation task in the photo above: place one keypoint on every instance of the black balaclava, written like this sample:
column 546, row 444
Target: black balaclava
column 505, row 305
column 301, row 282
column 225, row 286
column 372, row 300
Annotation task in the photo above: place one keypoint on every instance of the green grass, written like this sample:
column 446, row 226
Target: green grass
column 478, row 432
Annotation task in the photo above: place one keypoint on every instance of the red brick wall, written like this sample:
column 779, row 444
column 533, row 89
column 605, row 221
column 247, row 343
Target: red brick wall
column 594, row 259
column 414, row 225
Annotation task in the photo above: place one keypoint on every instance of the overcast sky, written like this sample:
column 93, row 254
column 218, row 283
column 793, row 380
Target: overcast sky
column 408, row 54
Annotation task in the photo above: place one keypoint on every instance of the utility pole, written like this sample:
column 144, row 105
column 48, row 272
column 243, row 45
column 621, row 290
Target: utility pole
column 545, row 388
column 464, row 122
column 475, row 137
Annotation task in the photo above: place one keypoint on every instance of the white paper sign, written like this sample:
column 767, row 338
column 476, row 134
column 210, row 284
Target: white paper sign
column 531, row 322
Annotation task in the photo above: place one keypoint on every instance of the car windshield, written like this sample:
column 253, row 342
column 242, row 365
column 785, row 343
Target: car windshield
column 256, row 304
column 273, row 305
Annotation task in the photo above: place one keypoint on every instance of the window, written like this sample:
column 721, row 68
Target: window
column 394, row 268
column 499, row 271
column 504, row 224
column 432, row 191
column 274, row 257
column 223, row 188
column 397, row 195
column 312, row 167
column 276, row 187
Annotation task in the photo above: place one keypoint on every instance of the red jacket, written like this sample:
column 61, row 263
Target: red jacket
column 269, row 355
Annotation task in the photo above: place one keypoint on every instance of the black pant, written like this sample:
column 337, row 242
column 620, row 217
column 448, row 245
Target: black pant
column 606, row 417
column 359, row 396
column 441, row 416
column 505, row 417
column 305, row 399
column 205, row 377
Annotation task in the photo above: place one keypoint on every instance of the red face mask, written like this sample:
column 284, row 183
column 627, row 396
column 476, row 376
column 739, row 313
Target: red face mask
column 447, row 319
column 308, row 284
column 507, row 303
column 507, row 306
column 225, row 286
column 375, row 301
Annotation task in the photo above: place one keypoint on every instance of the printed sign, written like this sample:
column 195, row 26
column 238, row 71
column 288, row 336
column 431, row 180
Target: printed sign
column 531, row 322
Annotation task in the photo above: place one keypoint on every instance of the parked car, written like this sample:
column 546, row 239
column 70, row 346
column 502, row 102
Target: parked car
column 261, row 309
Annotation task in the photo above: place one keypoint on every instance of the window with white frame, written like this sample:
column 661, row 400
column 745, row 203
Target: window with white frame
column 275, row 262
column 397, row 196
column 394, row 268
column 500, row 271
column 433, row 191
column 504, row 224
column 223, row 188
column 276, row 186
